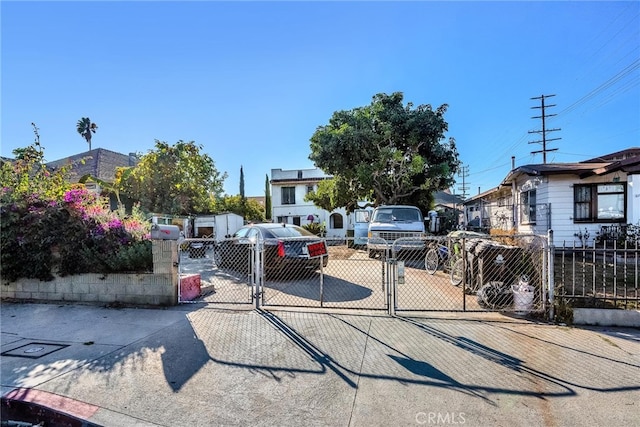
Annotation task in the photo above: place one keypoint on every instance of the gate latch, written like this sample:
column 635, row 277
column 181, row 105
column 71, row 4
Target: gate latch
column 400, row 270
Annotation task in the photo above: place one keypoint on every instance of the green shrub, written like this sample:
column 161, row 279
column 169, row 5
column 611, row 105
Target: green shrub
column 75, row 236
column 52, row 227
column 315, row 228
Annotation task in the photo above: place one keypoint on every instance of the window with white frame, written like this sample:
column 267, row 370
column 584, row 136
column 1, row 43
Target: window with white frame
column 599, row 203
column 288, row 195
column 528, row 207
column 309, row 189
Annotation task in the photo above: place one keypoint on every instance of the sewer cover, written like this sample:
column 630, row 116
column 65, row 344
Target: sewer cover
column 34, row 350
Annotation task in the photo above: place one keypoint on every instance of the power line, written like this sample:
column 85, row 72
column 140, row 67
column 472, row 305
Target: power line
column 610, row 82
column 597, row 59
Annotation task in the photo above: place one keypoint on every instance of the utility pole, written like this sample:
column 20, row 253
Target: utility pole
column 464, row 173
column 544, row 130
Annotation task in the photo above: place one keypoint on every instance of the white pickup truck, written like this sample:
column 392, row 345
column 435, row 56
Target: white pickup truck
column 392, row 222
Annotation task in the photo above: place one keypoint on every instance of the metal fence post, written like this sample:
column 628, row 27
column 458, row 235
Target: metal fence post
column 257, row 275
column 321, row 258
column 463, row 285
column 550, row 273
column 391, row 281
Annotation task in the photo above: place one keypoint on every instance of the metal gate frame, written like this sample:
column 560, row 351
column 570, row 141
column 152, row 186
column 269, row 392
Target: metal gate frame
column 185, row 248
column 390, row 281
column 545, row 299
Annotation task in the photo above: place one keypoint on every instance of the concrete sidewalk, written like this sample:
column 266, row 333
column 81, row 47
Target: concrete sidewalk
column 196, row 365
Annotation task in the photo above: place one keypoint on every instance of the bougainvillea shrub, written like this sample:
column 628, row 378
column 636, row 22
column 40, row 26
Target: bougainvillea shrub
column 76, row 235
column 49, row 226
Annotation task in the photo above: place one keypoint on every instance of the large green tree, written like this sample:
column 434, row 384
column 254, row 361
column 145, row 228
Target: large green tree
column 175, row 179
column 249, row 209
column 385, row 152
column 335, row 193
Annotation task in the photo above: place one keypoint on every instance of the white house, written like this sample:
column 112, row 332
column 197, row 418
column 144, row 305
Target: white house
column 575, row 200
column 288, row 190
column 491, row 209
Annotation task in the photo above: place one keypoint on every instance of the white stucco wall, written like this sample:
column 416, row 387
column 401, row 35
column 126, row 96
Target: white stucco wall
column 300, row 180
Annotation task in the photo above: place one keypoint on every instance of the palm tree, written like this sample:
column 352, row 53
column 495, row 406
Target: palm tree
column 86, row 128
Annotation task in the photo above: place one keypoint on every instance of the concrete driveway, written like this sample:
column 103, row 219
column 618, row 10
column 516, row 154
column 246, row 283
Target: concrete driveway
column 200, row 365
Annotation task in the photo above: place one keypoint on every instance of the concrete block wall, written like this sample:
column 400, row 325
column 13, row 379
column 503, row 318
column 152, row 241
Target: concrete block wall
column 157, row 288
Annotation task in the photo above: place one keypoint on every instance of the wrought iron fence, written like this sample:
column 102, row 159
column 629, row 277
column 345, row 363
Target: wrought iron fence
column 602, row 276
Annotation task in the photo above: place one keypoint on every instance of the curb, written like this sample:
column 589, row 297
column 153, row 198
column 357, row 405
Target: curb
column 606, row 317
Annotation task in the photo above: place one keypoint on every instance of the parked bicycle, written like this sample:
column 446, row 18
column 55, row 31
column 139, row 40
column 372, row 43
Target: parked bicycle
column 439, row 255
column 449, row 257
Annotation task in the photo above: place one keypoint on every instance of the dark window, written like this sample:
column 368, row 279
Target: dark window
column 528, row 207
column 309, row 189
column 599, row 202
column 288, row 195
column 296, row 220
column 336, row 221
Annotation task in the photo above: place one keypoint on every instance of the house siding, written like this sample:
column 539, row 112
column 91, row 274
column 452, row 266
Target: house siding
column 494, row 208
column 561, row 201
column 633, row 199
column 300, row 211
column 555, row 200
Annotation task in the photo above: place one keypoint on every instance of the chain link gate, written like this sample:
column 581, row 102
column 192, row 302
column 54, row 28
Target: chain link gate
column 205, row 272
column 346, row 278
column 470, row 272
column 437, row 273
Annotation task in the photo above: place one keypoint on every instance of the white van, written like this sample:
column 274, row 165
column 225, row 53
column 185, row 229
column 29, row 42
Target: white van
column 393, row 222
column 361, row 218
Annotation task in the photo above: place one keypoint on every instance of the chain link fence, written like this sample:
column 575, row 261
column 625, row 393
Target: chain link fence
column 472, row 272
column 203, row 279
column 461, row 272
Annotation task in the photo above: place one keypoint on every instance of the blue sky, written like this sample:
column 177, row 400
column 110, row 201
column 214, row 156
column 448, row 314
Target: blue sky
column 251, row 81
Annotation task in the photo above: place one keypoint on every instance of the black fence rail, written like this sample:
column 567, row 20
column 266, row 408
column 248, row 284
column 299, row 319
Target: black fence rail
column 602, row 276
